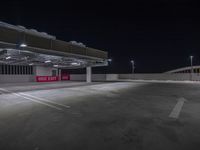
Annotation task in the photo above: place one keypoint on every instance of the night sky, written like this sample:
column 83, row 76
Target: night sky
column 158, row 35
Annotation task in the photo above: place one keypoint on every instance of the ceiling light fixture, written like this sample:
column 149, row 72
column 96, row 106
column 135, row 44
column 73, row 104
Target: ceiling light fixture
column 75, row 64
column 55, row 65
column 8, row 57
column 23, row 45
column 47, row 61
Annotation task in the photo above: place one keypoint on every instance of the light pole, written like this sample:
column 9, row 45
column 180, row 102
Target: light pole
column 191, row 68
column 133, row 66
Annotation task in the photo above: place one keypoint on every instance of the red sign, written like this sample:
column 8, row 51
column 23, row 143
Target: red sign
column 46, row 78
column 65, row 77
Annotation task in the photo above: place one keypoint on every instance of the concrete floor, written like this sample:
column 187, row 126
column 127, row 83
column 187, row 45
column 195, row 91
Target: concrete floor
column 99, row 116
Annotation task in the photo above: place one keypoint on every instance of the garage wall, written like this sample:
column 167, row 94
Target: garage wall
column 44, row 71
column 37, row 71
column 16, row 78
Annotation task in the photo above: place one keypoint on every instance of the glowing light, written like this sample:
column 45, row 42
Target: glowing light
column 8, row 57
column 47, row 61
column 75, row 64
column 23, row 45
column 109, row 60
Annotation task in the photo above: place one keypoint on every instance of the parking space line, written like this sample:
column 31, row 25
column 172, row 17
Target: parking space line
column 34, row 100
column 4, row 90
column 31, row 99
column 45, row 100
column 177, row 108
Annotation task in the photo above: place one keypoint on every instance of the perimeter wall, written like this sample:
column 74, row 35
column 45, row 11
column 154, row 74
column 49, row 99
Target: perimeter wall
column 156, row 76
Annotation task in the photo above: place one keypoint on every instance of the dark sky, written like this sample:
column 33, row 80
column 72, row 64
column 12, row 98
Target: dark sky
column 158, row 34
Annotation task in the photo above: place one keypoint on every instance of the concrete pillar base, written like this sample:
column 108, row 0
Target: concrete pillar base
column 88, row 74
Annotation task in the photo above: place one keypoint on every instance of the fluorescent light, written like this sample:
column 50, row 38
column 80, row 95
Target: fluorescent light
column 75, row 64
column 55, row 65
column 30, row 64
column 23, row 45
column 8, row 57
column 47, row 61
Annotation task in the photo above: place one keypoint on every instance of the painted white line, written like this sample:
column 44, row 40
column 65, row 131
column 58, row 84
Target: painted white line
column 177, row 108
column 25, row 101
column 31, row 99
column 49, row 105
column 45, row 100
column 4, row 90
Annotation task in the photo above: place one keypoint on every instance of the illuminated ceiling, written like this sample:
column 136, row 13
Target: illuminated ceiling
column 24, row 57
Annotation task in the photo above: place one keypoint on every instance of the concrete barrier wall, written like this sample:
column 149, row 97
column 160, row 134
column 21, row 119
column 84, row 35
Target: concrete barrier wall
column 156, row 76
column 99, row 77
column 77, row 77
column 112, row 77
column 16, row 78
column 82, row 77
column 106, row 77
column 161, row 76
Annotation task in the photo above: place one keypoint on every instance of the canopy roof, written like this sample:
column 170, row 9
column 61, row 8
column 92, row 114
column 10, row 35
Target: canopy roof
column 19, row 45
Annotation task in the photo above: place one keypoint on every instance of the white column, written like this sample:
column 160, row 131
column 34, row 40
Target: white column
column 59, row 74
column 88, row 74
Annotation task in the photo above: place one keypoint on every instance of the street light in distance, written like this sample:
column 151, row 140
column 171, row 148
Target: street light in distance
column 191, row 69
column 133, row 65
